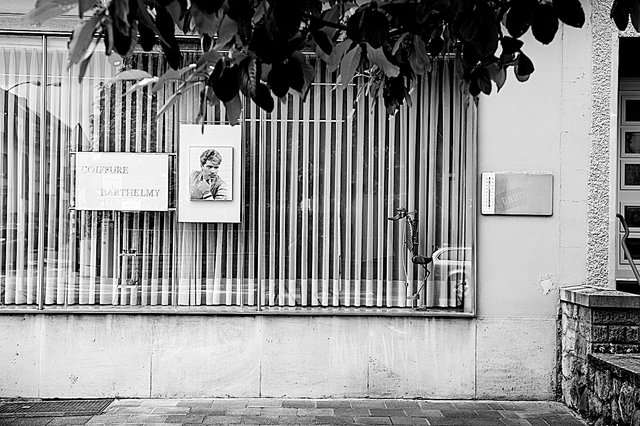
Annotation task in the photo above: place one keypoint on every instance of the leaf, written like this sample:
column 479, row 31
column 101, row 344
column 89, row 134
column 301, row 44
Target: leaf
column 226, row 32
column 172, row 100
column 147, row 37
column 233, row 110
column 322, row 40
column 418, row 58
column 336, row 56
column 48, row 9
column 378, row 58
column 131, row 75
column 497, row 74
column 84, row 5
column 349, row 64
column 175, row 9
column 278, row 79
column 510, row 45
column 226, row 86
column 524, row 66
column 570, row 12
column 620, row 13
column 374, row 27
column 166, row 27
column 545, row 23
column 205, row 23
column 140, row 84
column 248, row 76
column 263, row 97
column 170, row 75
column 119, row 11
column 83, row 66
column 145, row 20
column 81, row 39
column 635, row 15
column 483, row 80
column 309, row 73
column 520, row 17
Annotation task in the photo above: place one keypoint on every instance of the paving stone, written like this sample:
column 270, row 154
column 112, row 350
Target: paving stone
column 337, row 403
column 424, row 413
column 264, row 402
column 401, row 403
column 187, row 418
column 170, row 410
column 408, row 421
column 537, row 422
column 489, row 414
column 299, row 403
column 31, row 421
column 212, row 420
column 427, row 405
column 278, row 411
column 113, row 418
column 516, row 422
column 289, row 420
column 258, row 420
column 229, row 403
column 387, row 412
column 255, row 411
column 447, row 422
column 353, row 412
column 467, row 405
column 315, row 412
column 509, row 414
column 482, row 422
column 68, row 420
column 367, row 403
column 465, row 414
column 159, row 402
column 373, row 420
column 334, row 420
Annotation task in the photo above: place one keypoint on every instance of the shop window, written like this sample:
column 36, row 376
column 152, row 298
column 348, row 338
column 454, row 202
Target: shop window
column 320, row 179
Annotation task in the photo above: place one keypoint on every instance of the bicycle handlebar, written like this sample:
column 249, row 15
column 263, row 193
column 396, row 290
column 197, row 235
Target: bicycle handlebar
column 625, row 249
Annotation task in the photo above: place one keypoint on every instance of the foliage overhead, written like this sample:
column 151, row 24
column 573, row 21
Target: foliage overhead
column 255, row 47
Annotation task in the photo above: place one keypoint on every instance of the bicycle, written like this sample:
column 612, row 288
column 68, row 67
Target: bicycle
column 411, row 245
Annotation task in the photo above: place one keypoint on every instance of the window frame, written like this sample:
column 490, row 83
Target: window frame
column 258, row 309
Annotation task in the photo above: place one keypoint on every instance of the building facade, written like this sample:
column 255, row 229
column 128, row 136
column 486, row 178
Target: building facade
column 313, row 292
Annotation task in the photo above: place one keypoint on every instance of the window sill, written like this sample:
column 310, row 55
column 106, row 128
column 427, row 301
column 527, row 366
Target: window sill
column 233, row 310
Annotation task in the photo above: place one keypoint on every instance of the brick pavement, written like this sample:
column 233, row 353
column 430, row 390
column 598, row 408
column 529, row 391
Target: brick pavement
column 267, row 411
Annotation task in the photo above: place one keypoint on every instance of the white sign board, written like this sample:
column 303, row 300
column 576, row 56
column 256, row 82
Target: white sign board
column 122, row 181
column 209, row 173
column 525, row 194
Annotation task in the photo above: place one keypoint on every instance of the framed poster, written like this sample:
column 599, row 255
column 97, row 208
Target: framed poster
column 630, row 174
column 122, row 181
column 209, row 173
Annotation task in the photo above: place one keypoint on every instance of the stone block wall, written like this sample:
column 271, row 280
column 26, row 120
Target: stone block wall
column 613, row 389
column 598, row 327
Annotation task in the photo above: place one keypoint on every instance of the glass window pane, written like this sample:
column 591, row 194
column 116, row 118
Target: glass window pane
column 632, row 110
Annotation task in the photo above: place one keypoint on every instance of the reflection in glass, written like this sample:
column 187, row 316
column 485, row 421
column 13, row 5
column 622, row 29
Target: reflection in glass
column 634, row 248
column 632, row 143
column 632, row 110
column 632, row 174
column 632, row 216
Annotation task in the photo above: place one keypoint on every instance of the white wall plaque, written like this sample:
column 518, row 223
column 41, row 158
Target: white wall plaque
column 209, row 173
column 529, row 194
column 122, row 181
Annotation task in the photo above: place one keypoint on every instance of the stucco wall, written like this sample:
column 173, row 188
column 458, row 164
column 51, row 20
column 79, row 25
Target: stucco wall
column 169, row 356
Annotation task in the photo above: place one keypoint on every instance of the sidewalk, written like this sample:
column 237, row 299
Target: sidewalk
column 265, row 411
